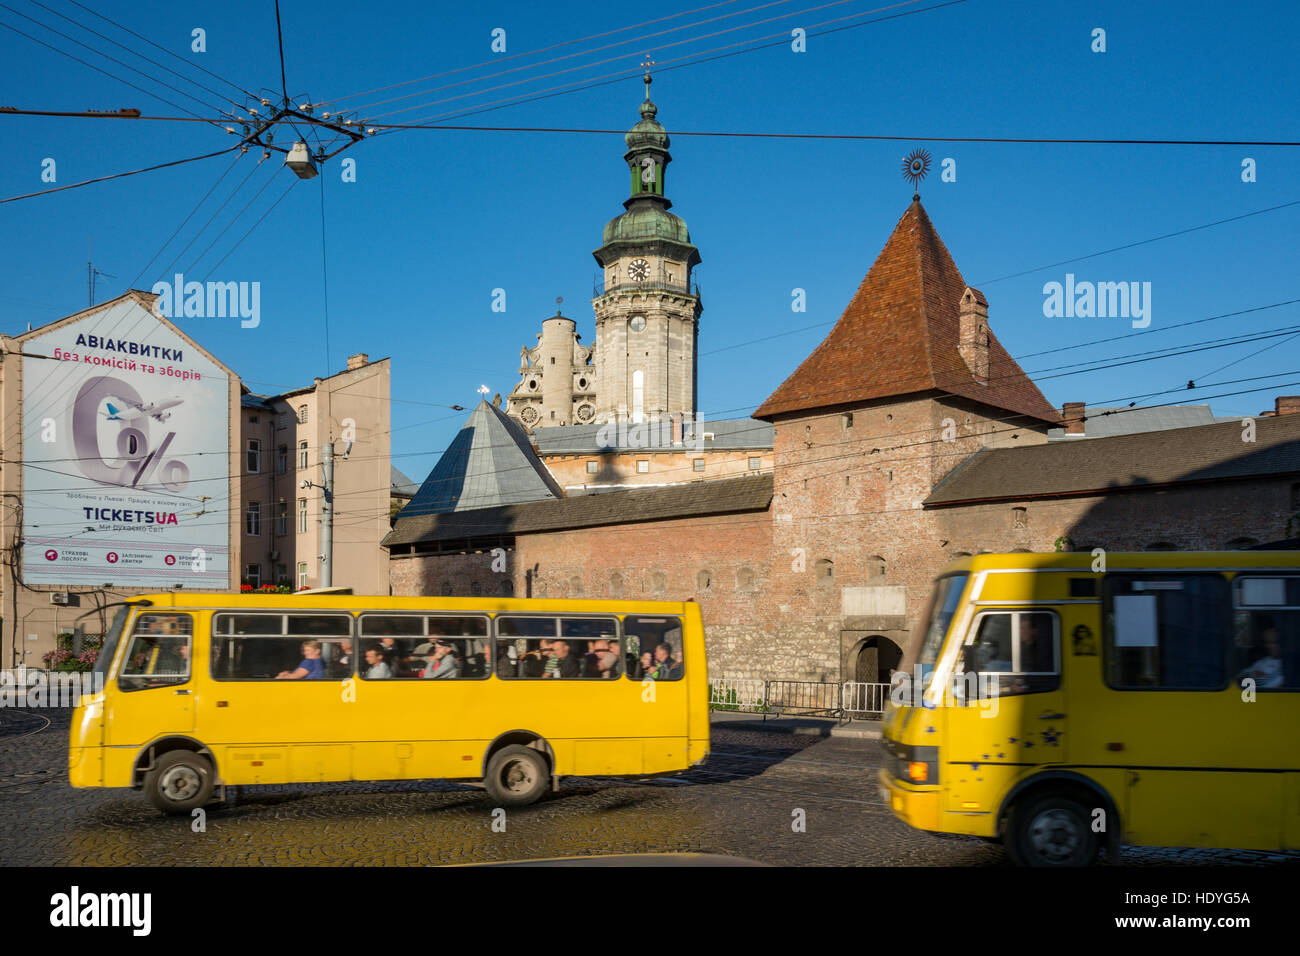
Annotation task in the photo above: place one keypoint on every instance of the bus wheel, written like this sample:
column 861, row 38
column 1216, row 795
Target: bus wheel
column 517, row 776
column 1051, row 831
column 179, row 782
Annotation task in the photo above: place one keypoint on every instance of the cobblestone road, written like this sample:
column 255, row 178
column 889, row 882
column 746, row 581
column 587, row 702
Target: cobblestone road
column 739, row 803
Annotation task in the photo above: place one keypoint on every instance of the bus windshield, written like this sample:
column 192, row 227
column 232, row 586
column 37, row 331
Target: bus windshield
column 943, row 605
column 106, row 652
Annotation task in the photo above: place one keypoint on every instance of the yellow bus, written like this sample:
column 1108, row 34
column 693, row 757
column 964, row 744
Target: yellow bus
column 203, row 691
column 1068, row 703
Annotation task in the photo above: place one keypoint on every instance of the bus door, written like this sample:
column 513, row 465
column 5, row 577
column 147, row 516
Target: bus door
column 1009, row 710
column 154, row 682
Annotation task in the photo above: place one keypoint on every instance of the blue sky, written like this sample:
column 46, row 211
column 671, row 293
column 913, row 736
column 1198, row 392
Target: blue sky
column 438, row 219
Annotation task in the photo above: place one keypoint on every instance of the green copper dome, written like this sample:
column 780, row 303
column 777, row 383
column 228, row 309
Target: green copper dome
column 646, row 221
column 648, row 131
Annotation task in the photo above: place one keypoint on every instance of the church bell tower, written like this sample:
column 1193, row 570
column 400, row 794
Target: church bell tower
column 646, row 301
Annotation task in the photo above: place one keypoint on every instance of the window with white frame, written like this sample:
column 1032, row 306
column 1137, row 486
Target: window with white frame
column 281, row 518
column 253, row 518
column 254, row 456
column 302, row 574
column 302, row 515
column 302, row 456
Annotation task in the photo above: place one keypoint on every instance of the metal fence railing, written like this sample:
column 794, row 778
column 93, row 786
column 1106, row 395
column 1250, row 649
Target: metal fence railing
column 846, row 700
column 746, row 696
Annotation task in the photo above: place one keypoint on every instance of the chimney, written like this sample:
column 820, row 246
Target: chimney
column 1287, row 405
column 973, row 337
column 358, row 360
column 1072, row 412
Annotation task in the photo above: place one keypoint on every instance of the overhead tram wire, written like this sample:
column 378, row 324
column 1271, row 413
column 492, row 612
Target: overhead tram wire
column 621, row 76
column 114, row 76
column 1080, row 368
column 515, row 56
column 609, row 46
column 187, row 79
column 1015, row 422
column 185, row 221
column 113, row 59
column 270, row 179
column 133, row 172
column 785, row 35
column 165, row 50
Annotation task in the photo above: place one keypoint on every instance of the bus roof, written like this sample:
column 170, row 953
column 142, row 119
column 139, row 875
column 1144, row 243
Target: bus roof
column 1083, row 560
column 382, row 602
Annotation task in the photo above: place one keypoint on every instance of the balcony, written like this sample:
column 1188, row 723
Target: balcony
column 657, row 281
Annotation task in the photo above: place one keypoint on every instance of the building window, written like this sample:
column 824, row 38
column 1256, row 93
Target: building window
column 302, row 455
column 281, row 421
column 254, row 456
column 698, row 464
column 755, row 464
column 877, row 566
column 253, row 419
column 593, row 467
column 847, row 420
column 824, row 570
column 281, row 574
column 745, row 579
column 658, row 582
column 302, row 515
column 302, row 414
column 302, row 574
column 1019, row 519
column 643, row 466
column 616, row 585
column 281, row 518
column 703, row 581
column 253, row 518
column 253, row 575
column 282, row 459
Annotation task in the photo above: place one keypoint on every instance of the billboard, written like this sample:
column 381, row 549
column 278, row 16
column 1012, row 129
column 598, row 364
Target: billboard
column 125, row 456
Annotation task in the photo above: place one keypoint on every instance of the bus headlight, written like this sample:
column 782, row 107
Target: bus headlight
column 918, row 771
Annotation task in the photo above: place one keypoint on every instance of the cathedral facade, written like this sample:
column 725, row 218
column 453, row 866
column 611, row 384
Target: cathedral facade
column 643, row 365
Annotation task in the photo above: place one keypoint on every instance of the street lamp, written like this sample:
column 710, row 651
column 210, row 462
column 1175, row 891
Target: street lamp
column 300, row 161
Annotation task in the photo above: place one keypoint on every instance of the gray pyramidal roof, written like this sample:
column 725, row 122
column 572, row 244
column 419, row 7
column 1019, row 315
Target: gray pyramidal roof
column 489, row 463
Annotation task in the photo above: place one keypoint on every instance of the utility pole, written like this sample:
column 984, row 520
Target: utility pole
column 327, row 518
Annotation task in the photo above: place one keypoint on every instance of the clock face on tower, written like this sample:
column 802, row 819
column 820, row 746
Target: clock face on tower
column 638, row 270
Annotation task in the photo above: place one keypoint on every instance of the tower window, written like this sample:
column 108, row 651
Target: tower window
column 552, row 359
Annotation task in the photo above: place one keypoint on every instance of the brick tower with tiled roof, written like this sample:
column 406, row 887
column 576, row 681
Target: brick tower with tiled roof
column 913, row 326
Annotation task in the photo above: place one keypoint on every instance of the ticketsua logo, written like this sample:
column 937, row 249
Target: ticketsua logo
column 102, row 909
column 1102, row 300
column 210, row 300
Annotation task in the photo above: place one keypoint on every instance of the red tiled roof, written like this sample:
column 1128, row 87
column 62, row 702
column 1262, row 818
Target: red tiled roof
column 899, row 335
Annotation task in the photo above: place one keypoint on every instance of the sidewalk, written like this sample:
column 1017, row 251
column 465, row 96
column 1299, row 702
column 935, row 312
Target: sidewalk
column 810, row 726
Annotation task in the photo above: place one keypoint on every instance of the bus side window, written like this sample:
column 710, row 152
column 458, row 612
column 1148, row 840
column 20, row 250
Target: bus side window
column 1266, row 633
column 1166, row 630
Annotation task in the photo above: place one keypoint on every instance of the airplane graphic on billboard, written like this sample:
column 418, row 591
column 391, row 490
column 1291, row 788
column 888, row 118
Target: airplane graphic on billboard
column 135, row 412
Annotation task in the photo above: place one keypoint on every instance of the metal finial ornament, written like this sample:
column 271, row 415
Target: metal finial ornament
column 646, row 64
column 916, row 165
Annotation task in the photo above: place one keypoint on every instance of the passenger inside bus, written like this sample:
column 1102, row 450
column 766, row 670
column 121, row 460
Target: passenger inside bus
column 311, row 667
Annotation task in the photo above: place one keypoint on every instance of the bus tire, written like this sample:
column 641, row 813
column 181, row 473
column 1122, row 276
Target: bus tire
column 1051, row 830
column 179, row 782
column 517, row 776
